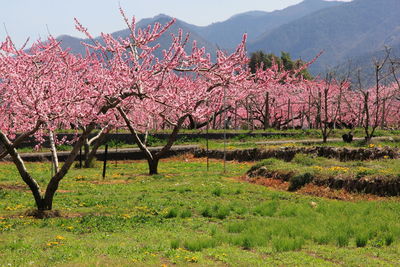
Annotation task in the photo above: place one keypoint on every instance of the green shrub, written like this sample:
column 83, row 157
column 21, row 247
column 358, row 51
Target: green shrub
column 239, row 191
column 172, row 213
column 267, row 209
column 199, row 244
column 266, row 162
column 342, row 240
column 63, row 147
column 153, row 141
column 247, row 243
column 175, row 244
column 216, row 211
column 300, row 180
column 3, row 193
column 389, row 239
column 322, row 239
column 206, row 212
column 115, row 143
column 186, row 213
column 282, row 244
column 235, row 227
column 217, row 191
column 362, row 172
column 304, row 160
column 222, row 213
column 361, row 241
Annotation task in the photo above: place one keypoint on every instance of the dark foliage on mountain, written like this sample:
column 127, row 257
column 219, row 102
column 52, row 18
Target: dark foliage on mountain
column 343, row 32
column 284, row 62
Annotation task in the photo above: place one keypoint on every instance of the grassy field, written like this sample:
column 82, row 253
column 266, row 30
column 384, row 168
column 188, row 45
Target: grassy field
column 304, row 169
column 188, row 216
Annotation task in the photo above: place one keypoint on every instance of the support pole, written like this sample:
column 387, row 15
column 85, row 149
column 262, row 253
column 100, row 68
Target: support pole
column 225, row 130
column 105, row 162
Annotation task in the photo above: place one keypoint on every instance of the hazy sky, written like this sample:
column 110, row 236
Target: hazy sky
column 28, row 18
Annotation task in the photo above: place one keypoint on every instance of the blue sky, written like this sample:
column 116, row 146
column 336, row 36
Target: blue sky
column 28, row 18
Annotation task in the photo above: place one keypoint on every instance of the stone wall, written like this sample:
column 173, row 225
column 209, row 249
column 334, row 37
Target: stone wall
column 288, row 153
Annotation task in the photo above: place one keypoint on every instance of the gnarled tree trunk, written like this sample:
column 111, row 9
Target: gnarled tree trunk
column 93, row 143
column 153, row 159
column 44, row 201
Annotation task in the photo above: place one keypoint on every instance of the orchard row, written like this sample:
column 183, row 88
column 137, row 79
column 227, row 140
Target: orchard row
column 122, row 83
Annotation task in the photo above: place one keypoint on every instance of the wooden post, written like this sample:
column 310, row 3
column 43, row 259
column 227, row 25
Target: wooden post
column 288, row 113
column 207, row 148
column 105, row 162
column 224, row 130
column 208, row 163
column 309, row 113
column 319, row 115
column 116, row 148
column 266, row 119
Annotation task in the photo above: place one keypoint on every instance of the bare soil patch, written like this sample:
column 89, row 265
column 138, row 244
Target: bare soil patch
column 18, row 187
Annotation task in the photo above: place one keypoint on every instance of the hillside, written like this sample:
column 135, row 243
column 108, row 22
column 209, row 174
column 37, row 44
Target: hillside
column 342, row 32
column 228, row 33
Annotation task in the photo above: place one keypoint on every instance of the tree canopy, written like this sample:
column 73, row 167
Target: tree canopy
column 284, row 62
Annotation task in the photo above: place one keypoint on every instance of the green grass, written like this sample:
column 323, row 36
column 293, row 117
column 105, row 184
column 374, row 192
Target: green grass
column 187, row 216
column 304, row 169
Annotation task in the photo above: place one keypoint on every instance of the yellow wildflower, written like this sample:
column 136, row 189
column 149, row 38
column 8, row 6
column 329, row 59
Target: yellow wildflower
column 50, row 244
column 60, row 237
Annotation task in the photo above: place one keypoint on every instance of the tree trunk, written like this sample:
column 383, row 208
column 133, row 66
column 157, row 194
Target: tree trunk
column 153, row 165
column 95, row 142
column 56, row 179
column 86, row 151
column 53, row 150
column 266, row 118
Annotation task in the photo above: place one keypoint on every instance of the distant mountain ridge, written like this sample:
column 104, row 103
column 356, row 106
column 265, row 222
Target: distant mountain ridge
column 74, row 43
column 343, row 30
column 255, row 23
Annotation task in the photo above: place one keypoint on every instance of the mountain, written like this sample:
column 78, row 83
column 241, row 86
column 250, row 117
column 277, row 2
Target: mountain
column 343, row 32
column 228, row 34
column 362, row 67
column 224, row 35
column 74, row 43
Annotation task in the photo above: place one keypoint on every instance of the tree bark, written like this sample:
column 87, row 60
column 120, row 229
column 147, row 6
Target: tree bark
column 266, row 118
column 153, row 165
column 53, row 150
column 153, row 159
column 26, row 177
column 96, row 142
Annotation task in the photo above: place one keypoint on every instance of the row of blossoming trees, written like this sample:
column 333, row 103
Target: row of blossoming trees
column 121, row 83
